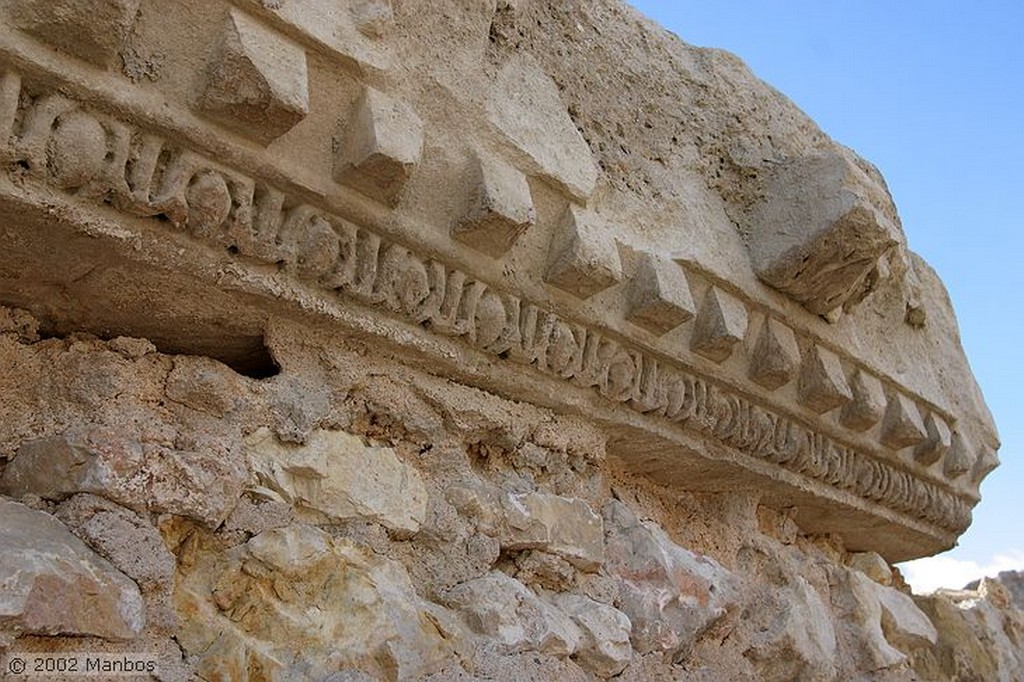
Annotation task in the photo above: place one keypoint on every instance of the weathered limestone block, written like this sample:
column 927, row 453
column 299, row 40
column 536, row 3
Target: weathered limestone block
column 902, row 425
column 885, row 623
column 776, row 355
column 873, row 566
column 584, row 258
column 659, row 295
column 93, row 30
column 822, row 385
column 337, row 475
column 566, row 527
column 980, row 635
column 604, row 647
column 560, row 525
column 499, row 209
column 800, row 642
column 204, row 483
column 670, row 595
column 380, row 147
column 296, row 589
column 524, row 103
column 203, row 384
column 256, row 81
column 54, row 585
column 821, row 230
column 123, row 538
column 721, row 324
column 905, row 626
column 500, row 607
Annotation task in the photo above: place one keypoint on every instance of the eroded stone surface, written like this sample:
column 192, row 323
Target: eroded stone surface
column 524, row 103
column 339, row 476
column 55, row 585
column 94, row 31
column 670, row 595
column 822, row 231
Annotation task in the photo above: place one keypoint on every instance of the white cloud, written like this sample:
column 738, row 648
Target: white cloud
column 931, row 573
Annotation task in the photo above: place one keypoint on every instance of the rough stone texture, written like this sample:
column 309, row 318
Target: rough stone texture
column 339, row 476
column 825, row 224
column 94, row 31
column 373, row 340
column 670, row 595
column 55, row 585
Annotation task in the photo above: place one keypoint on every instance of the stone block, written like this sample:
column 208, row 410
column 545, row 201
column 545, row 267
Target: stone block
column 584, row 259
column 776, row 355
column 525, row 105
column 341, row 477
column 799, row 640
column 721, row 324
column 499, row 210
column 604, row 647
column 868, row 403
column 564, row 526
column 821, row 230
column 93, row 30
column 670, row 595
column 902, row 425
column 873, row 566
column 822, row 385
column 54, row 585
column 256, row 81
column 502, row 608
column 380, row 146
column 202, row 483
column 659, row 295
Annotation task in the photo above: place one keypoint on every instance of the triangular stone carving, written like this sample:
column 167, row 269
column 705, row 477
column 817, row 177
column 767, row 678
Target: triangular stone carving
column 868, row 404
column 776, row 355
column 902, row 425
column 381, row 146
column 822, row 386
column 659, row 295
column 586, row 259
column 938, row 442
column 986, row 462
column 959, row 458
column 499, row 208
column 256, row 81
column 721, row 324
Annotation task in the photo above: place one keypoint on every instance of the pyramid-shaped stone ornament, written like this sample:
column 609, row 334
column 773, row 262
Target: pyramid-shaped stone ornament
column 868, row 404
column 256, row 82
column 499, row 208
column 776, row 355
column 659, row 295
column 902, row 425
column 585, row 259
column 822, row 385
column 721, row 324
column 380, row 147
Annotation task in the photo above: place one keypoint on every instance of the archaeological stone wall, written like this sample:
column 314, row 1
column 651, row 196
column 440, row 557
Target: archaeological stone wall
column 357, row 339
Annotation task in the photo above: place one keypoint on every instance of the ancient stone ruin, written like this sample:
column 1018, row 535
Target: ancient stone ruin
column 509, row 340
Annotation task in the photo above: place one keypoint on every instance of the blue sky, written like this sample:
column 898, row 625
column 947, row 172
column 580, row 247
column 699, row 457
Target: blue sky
column 933, row 94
